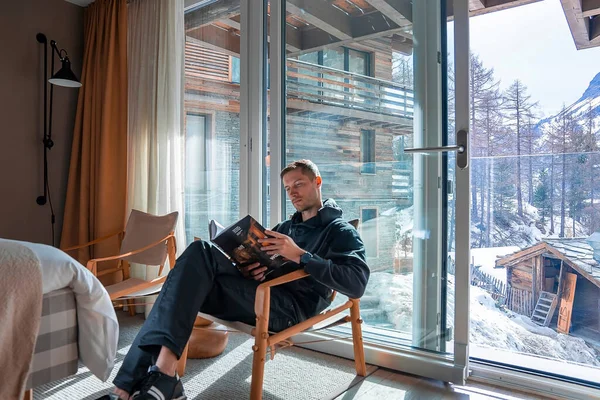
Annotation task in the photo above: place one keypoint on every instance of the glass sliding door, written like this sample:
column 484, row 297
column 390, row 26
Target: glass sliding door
column 535, row 215
column 368, row 98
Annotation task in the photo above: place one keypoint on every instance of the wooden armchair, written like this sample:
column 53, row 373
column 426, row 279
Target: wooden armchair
column 265, row 339
column 148, row 240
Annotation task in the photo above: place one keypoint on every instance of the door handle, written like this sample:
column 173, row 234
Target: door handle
column 441, row 149
column 462, row 157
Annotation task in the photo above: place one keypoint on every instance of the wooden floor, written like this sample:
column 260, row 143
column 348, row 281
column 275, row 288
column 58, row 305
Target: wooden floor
column 388, row 385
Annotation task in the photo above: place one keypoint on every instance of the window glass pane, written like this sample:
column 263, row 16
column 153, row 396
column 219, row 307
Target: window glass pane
column 235, row 69
column 212, row 121
column 312, row 58
column 333, row 92
column 535, row 183
column 358, row 62
column 353, row 126
column 334, row 58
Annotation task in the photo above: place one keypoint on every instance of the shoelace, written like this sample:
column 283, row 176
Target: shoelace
column 149, row 381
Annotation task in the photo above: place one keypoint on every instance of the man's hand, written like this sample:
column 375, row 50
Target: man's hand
column 283, row 245
column 254, row 271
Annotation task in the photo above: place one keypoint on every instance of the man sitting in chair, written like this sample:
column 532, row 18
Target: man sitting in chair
column 204, row 280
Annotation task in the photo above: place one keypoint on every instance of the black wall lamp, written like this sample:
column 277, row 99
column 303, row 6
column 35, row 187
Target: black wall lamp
column 66, row 78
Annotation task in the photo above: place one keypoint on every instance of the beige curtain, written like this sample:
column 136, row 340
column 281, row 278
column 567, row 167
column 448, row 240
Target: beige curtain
column 156, row 139
column 96, row 201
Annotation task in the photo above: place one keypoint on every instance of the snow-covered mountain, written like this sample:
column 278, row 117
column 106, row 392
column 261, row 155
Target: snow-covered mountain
column 589, row 101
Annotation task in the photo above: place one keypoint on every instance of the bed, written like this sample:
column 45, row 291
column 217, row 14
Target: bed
column 78, row 322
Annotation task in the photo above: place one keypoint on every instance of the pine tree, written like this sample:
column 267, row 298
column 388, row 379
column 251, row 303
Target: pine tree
column 505, row 185
column 402, row 69
column 529, row 140
column 562, row 142
column 519, row 108
column 541, row 194
column 483, row 85
column 491, row 125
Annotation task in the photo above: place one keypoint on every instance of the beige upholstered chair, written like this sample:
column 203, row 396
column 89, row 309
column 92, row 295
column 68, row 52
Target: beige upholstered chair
column 148, row 240
column 265, row 339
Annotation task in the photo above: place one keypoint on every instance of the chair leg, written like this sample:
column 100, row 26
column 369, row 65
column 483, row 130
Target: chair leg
column 357, row 339
column 182, row 361
column 131, row 306
column 258, row 361
column 28, row 395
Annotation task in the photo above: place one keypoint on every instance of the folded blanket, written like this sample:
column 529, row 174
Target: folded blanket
column 20, row 313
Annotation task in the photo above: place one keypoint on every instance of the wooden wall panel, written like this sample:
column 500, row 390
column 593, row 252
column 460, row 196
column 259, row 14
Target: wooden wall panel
column 202, row 62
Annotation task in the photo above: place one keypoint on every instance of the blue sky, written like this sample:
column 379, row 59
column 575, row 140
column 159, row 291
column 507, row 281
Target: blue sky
column 534, row 44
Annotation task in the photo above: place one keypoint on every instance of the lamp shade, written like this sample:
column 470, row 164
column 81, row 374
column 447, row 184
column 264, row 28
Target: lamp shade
column 64, row 76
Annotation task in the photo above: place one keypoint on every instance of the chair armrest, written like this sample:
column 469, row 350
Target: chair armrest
column 91, row 264
column 80, row 246
column 262, row 301
column 292, row 276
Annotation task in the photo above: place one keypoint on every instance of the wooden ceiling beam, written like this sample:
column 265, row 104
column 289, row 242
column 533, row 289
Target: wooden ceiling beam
column 590, row 7
column 399, row 11
column 231, row 23
column 206, row 15
column 293, row 39
column 315, row 40
column 323, row 16
column 595, row 31
column 579, row 26
column 476, row 5
column 293, row 36
column 489, row 6
column 402, row 45
column 216, row 39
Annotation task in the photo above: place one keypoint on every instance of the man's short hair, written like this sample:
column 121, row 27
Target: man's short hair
column 307, row 167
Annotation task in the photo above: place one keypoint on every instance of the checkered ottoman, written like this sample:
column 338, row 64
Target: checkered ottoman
column 56, row 355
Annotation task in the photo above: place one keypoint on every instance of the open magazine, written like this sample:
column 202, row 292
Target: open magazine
column 239, row 242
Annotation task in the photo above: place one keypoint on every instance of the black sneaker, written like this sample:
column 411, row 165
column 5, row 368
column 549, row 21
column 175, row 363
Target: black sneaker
column 110, row 396
column 159, row 386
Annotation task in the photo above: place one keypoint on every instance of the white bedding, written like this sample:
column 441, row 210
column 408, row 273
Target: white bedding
column 97, row 322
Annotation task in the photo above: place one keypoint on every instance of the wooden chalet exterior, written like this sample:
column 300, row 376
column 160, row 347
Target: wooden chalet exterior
column 564, row 271
column 352, row 124
column 331, row 113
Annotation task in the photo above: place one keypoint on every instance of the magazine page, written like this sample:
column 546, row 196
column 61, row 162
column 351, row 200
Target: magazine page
column 240, row 242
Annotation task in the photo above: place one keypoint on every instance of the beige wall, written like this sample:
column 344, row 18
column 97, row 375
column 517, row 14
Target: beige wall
column 21, row 104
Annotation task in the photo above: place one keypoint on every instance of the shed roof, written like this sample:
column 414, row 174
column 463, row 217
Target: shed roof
column 576, row 252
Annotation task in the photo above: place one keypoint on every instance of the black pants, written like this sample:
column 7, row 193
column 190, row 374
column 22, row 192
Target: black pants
column 203, row 280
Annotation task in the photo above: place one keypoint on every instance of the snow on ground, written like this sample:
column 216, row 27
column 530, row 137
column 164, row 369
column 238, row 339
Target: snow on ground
column 509, row 229
column 404, row 221
column 491, row 326
column 499, row 329
column 485, row 259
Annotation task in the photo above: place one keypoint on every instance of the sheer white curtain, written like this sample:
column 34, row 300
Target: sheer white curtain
column 156, row 162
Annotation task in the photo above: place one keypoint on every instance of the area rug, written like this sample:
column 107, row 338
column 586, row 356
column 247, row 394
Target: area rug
column 294, row 373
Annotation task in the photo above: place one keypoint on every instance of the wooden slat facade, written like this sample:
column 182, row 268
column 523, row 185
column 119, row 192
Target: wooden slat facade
column 201, row 62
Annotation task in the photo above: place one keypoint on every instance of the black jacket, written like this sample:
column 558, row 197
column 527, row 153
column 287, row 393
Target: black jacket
column 338, row 262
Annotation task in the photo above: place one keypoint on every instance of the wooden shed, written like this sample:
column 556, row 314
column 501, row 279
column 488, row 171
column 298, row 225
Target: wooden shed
column 557, row 274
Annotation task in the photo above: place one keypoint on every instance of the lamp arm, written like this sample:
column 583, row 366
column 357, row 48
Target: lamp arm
column 59, row 52
column 53, row 45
